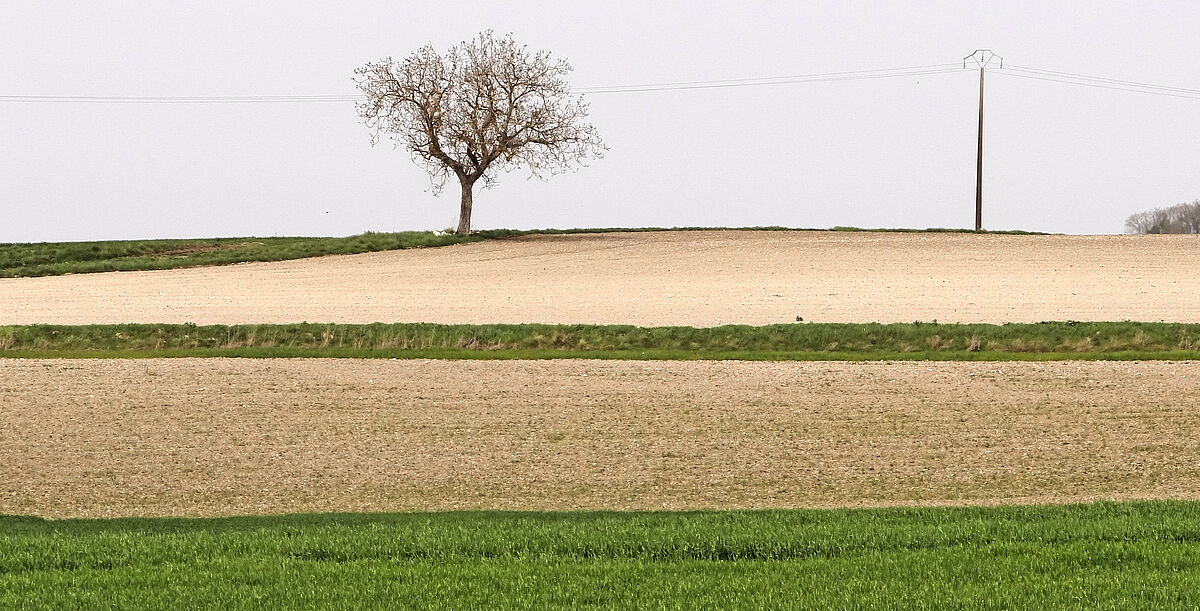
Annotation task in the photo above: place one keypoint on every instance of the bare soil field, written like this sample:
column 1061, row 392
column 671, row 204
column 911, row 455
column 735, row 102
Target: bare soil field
column 702, row 278
column 230, row 436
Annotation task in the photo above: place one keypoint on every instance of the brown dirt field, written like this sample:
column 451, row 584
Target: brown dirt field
column 701, row 278
column 228, row 436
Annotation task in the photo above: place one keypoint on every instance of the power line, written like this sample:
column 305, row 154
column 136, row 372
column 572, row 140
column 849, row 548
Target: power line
column 777, row 80
column 1098, row 84
column 1100, row 79
column 250, row 99
column 1024, row 72
column 668, row 86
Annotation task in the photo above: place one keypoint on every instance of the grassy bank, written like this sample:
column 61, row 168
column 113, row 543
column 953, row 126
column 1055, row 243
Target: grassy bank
column 57, row 258
column 801, row 341
column 1100, row 556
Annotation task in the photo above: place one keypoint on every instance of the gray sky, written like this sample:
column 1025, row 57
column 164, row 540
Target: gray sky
column 874, row 153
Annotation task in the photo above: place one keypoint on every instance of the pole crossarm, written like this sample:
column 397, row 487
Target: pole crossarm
column 982, row 58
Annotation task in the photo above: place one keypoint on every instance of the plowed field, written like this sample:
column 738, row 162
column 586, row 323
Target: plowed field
column 232, row 436
column 695, row 278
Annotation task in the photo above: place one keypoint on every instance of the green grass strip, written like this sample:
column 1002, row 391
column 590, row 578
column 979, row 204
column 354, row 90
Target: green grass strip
column 56, row 258
column 799, row 341
column 1094, row 556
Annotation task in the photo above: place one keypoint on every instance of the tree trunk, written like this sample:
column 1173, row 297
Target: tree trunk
column 464, row 211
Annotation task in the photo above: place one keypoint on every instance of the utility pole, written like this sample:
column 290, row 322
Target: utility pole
column 982, row 58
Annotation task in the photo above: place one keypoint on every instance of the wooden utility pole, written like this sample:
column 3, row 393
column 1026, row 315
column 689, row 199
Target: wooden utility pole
column 982, row 58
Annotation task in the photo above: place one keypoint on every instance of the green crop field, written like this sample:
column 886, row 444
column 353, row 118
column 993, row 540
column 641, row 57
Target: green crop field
column 1096, row 556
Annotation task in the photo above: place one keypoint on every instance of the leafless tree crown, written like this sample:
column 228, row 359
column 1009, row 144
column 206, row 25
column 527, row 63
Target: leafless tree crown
column 487, row 106
column 1180, row 218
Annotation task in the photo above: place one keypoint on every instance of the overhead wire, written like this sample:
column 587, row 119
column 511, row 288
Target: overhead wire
column 667, row 86
column 1100, row 82
column 230, row 99
column 1101, row 79
column 776, row 80
column 1015, row 71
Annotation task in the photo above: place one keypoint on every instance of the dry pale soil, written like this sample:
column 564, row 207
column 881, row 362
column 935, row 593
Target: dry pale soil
column 233, row 436
column 696, row 278
column 228, row 436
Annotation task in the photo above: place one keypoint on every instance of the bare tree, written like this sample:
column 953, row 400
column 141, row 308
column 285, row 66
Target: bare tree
column 1180, row 218
column 1189, row 216
column 487, row 106
column 1139, row 222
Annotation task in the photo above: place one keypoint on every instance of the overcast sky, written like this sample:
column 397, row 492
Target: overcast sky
column 894, row 152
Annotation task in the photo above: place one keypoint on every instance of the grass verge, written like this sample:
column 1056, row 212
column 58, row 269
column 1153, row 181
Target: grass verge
column 806, row 341
column 57, row 258
column 1096, row 556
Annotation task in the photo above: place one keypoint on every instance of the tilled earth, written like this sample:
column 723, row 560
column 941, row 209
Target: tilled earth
column 695, row 278
column 231, row 436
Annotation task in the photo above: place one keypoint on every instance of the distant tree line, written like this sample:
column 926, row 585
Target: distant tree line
column 1180, row 218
